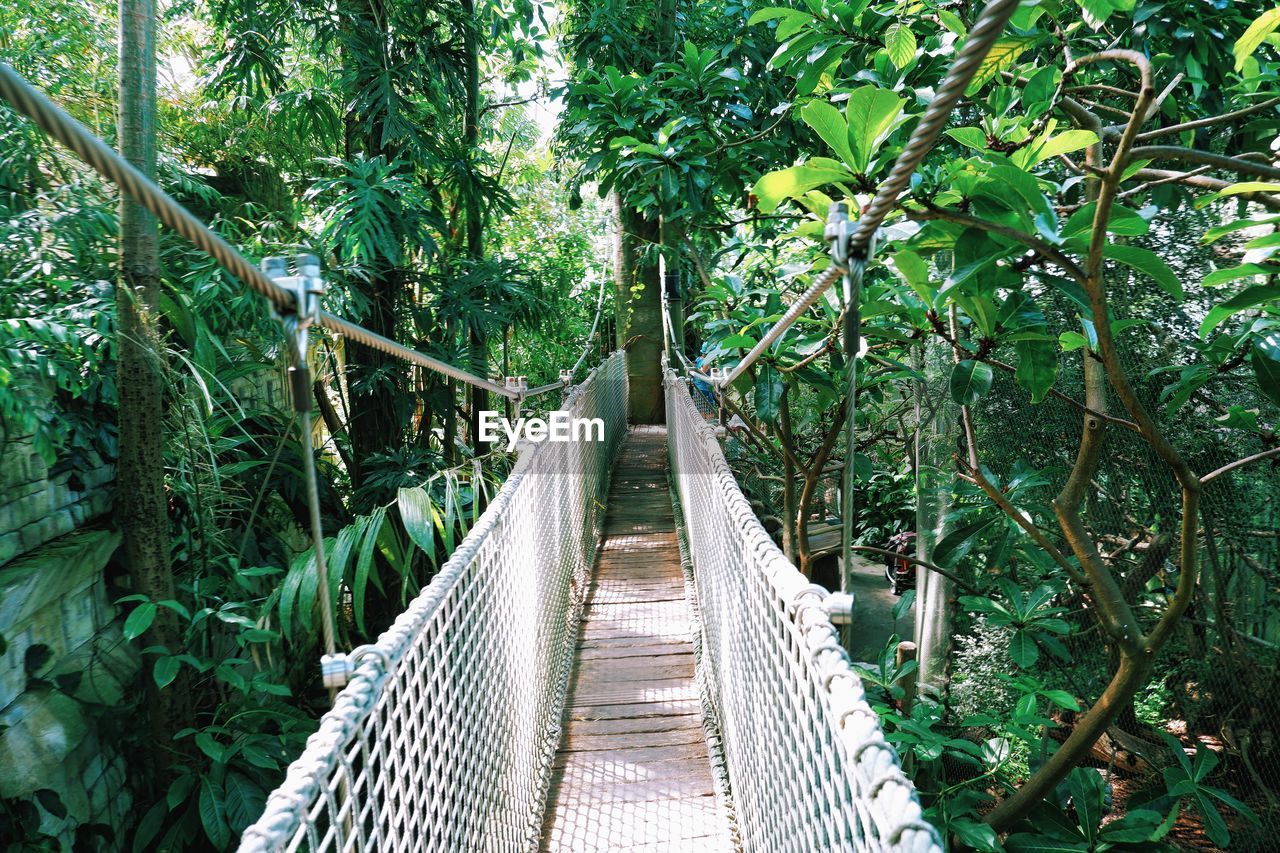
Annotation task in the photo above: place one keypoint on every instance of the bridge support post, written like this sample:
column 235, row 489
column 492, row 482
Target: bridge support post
column 907, row 652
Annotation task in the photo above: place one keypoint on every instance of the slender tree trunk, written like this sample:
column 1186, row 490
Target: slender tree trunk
column 377, row 418
column 141, row 508
column 933, row 591
column 624, row 265
column 673, row 240
column 478, row 343
column 790, row 546
column 643, row 334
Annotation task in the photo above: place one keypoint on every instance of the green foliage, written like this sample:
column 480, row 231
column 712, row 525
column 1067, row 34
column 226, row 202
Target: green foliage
column 1055, row 830
column 969, row 381
column 1032, row 617
column 1188, row 781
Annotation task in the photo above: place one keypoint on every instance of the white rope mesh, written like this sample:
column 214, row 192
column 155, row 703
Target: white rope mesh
column 808, row 765
column 444, row 737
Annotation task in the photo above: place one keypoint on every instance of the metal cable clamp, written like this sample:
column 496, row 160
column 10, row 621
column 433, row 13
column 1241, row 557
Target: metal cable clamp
column 306, row 287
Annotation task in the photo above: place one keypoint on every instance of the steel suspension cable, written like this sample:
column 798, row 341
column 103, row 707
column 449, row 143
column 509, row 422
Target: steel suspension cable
column 986, row 30
column 58, row 124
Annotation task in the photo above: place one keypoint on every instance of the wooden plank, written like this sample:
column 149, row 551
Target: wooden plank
column 632, row 771
column 637, row 610
column 631, row 725
column 663, row 821
column 577, row 741
column 604, row 648
column 634, row 710
column 608, row 693
column 687, row 845
column 647, row 669
column 691, row 785
column 615, row 629
column 631, row 760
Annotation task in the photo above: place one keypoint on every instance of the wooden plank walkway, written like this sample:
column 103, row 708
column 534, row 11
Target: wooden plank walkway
column 632, row 772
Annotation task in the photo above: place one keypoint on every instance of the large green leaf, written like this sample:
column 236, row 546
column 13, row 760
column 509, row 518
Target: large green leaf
column 1249, row 298
column 364, row 563
column 1046, row 147
column 769, row 13
column 975, row 834
column 915, row 271
column 308, row 590
column 1222, row 276
column 973, row 137
column 1023, row 650
column 1266, row 24
column 1030, row 842
column 769, row 391
column 417, row 514
column 1136, row 826
column 1087, row 794
column 956, row 544
column 1002, row 57
column 245, row 800
column 901, row 45
column 1037, row 367
column 1122, row 221
column 831, row 127
column 301, row 566
column 1147, row 262
column 773, row 188
column 970, row 380
column 166, row 670
column 139, row 620
column 213, row 815
column 1266, row 365
column 872, row 114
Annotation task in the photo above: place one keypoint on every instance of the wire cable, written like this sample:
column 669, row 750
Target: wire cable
column 986, row 31
column 106, row 162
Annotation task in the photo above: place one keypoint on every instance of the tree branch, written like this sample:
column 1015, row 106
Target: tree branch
column 1239, row 463
column 1192, row 155
column 1210, row 121
column 967, row 587
column 1194, row 179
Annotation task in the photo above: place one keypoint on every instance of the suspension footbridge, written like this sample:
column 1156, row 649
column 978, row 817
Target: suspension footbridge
column 617, row 656
column 577, row 679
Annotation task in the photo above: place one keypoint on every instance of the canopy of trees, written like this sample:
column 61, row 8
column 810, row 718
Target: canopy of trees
column 1068, row 382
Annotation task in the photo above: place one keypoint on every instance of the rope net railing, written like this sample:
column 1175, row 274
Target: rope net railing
column 808, row 764
column 444, row 737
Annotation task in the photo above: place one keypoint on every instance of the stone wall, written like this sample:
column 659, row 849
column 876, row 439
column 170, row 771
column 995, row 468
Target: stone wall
column 37, row 506
column 65, row 666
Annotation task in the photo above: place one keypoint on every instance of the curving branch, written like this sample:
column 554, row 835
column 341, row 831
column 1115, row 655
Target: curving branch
column 1207, row 158
column 1210, row 121
column 1239, row 463
column 1200, row 181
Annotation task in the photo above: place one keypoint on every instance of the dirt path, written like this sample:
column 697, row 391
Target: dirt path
column 873, row 612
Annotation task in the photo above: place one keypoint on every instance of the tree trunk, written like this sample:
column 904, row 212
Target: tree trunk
column 624, row 265
column 141, row 508
column 790, row 547
column 642, row 336
column 673, row 238
column 478, row 343
column 933, row 446
column 376, row 417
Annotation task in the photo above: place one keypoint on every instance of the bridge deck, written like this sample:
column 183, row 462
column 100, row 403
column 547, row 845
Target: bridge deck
column 632, row 772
